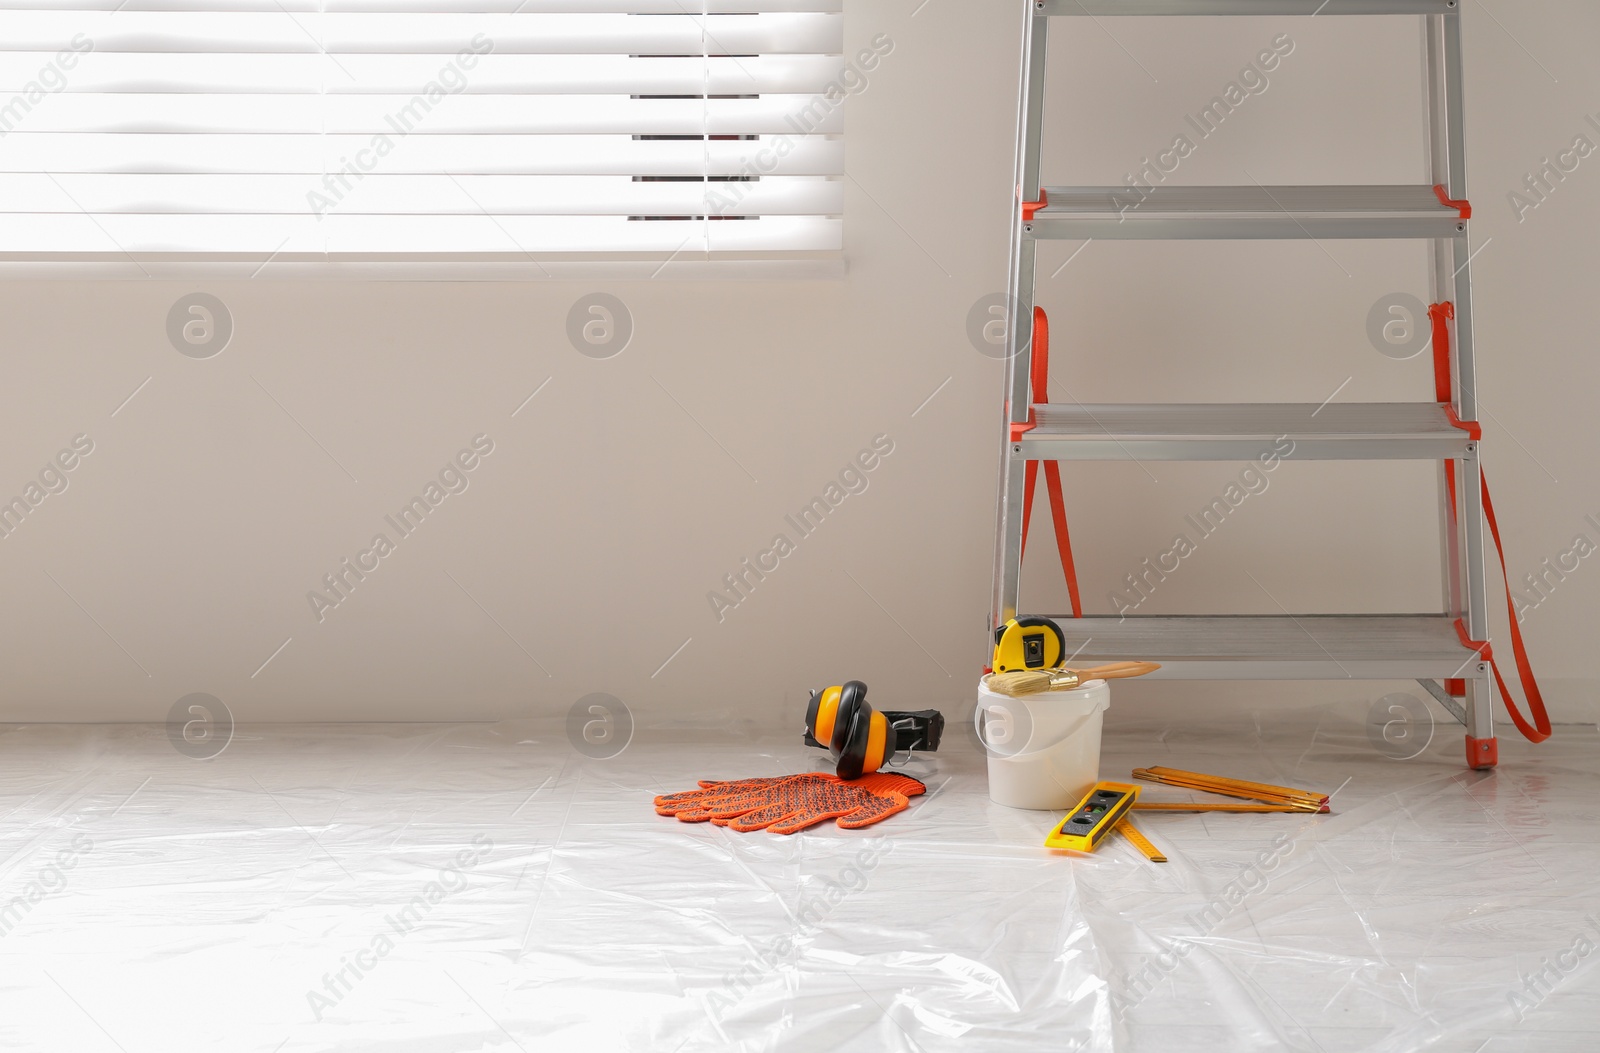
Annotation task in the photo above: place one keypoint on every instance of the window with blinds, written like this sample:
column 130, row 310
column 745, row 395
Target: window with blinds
column 419, row 129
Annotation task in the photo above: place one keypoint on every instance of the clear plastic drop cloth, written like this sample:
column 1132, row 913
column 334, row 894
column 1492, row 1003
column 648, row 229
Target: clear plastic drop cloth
column 477, row 887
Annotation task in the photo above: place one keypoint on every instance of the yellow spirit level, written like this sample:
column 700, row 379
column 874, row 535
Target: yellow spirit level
column 1101, row 809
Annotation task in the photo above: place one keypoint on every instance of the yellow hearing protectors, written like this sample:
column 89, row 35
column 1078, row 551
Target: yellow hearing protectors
column 1028, row 643
column 858, row 738
column 840, row 720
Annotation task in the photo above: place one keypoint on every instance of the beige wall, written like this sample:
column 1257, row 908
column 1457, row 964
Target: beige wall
column 180, row 555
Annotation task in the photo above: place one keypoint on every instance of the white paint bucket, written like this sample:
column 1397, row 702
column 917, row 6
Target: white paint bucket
column 1044, row 749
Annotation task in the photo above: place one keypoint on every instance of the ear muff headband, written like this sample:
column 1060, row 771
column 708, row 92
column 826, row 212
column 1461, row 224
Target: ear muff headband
column 851, row 698
column 852, row 728
column 853, row 758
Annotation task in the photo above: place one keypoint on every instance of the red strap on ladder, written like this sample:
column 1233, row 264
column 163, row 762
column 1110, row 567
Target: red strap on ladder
column 1439, row 315
column 1539, row 729
column 1039, row 377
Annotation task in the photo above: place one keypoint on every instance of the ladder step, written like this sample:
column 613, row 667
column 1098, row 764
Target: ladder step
column 1351, row 431
column 1218, row 212
column 1097, row 8
column 1282, row 647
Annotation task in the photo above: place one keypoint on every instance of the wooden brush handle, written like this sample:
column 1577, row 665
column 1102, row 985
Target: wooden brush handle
column 1116, row 670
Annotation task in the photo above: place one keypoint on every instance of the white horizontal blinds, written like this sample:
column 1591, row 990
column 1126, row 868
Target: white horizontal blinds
column 416, row 127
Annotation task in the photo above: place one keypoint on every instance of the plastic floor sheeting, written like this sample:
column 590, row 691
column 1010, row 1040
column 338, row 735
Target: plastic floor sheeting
column 426, row 888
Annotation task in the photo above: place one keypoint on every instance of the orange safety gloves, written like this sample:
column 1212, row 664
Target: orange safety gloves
column 790, row 803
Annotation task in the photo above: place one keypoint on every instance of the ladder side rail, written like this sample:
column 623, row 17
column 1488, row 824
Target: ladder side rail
column 1018, row 306
column 1463, row 365
column 1442, row 288
column 1453, row 281
column 1020, row 279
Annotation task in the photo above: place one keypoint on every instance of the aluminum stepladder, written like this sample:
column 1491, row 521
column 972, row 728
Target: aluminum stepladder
column 1445, row 651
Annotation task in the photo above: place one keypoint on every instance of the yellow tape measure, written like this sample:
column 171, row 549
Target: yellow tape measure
column 1028, row 643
